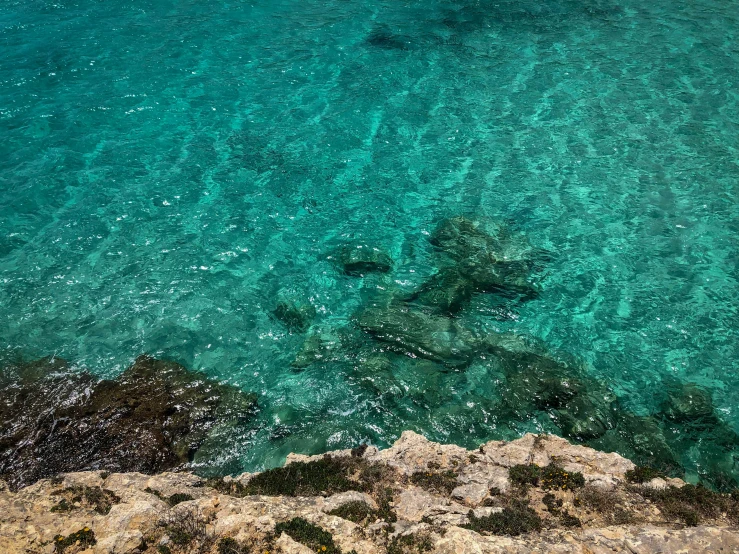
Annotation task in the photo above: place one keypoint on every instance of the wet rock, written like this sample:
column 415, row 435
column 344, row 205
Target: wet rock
column 411, row 330
column 359, row 259
column 153, row 417
column 296, row 316
column 687, row 402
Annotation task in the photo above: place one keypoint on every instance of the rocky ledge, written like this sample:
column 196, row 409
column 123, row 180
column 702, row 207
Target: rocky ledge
column 535, row 494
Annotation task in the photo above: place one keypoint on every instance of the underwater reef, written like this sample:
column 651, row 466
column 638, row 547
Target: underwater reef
column 157, row 415
column 479, row 256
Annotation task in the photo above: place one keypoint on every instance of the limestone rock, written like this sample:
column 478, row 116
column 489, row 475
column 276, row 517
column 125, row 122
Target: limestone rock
column 413, row 452
column 338, row 500
column 289, row 546
column 28, row 526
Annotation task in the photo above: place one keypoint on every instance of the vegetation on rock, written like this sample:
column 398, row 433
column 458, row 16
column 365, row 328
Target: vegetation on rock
column 413, row 543
column 100, row 500
column 515, row 519
column 443, row 482
column 550, row 477
column 356, row 511
column 83, row 538
column 607, row 503
column 642, row 474
column 310, row 535
column 690, row 504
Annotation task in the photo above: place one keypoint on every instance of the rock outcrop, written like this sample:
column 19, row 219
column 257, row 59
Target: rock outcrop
column 155, row 416
column 416, row 496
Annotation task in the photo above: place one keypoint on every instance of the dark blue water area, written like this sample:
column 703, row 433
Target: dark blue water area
column 171, row 171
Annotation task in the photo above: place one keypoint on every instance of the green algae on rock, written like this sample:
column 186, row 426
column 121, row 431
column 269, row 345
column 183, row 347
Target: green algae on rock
column 153, row 417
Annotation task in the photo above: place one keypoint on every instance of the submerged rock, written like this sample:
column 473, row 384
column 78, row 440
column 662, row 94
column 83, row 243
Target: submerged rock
column 153, row 417
column 296, row 316
column 585, row 417
column 448, row 291
column 488, row 254
column 382, row 37
column 359, row 259
column 413, row 331
column 535, row 381
column 323, row 344
column 642, row 439
column 687, row 402
column 689, row 418
column 374, row 373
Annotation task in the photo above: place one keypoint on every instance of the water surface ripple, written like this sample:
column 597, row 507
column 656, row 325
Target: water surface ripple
column 169, row 169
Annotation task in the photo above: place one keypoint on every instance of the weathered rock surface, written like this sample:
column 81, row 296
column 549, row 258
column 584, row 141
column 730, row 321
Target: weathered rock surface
column 142, row 520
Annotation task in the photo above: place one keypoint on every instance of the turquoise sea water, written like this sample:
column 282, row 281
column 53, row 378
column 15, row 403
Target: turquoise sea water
column 168, row 170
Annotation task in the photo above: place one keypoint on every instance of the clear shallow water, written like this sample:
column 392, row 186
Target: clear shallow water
column 168, row 169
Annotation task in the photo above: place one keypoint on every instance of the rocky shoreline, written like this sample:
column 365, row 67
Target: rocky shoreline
column 535, row 494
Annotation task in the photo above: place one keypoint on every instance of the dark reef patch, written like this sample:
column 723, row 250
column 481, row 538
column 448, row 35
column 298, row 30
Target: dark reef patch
column 153, row 417
column 296, row 317
column 477, row 259
column 358, row 259
column 383, row 37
